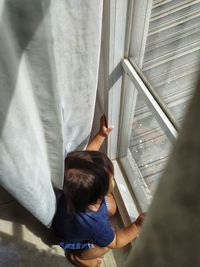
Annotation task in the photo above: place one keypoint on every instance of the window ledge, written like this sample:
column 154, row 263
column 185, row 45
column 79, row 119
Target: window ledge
column 126, row 205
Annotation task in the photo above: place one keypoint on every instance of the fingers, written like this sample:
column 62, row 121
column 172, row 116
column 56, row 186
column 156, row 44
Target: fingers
column 110, row 129
column 104, row 129
column 140, row 219
column 105, row 120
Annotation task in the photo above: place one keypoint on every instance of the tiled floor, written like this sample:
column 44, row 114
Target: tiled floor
column 25, row 242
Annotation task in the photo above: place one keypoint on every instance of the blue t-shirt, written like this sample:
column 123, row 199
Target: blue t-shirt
column 83, row 229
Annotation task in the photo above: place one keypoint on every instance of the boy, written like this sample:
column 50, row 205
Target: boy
column 81, row 220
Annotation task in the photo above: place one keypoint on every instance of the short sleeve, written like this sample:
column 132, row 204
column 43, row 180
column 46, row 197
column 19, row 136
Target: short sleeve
column 104, row 235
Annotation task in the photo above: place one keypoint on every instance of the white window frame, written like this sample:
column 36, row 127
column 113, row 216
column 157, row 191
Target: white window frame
column 120, row 100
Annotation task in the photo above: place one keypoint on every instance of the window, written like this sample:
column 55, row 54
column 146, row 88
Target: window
column 170, row 56
column 161, row 67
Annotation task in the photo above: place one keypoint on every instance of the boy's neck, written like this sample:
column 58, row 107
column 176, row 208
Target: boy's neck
column 96, row 206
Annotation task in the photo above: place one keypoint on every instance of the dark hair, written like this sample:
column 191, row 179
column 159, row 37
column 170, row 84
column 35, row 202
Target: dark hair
column 86, row 179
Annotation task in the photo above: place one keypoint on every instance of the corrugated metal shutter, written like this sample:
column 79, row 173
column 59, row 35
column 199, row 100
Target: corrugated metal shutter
column 171, row 60
column 172, row 65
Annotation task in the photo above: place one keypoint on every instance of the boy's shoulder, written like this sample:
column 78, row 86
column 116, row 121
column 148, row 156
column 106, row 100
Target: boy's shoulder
column 88, row 220
column 95, row 219
column 84, row 225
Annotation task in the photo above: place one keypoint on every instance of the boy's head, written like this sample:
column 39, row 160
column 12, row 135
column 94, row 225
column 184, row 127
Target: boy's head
column 88, row 178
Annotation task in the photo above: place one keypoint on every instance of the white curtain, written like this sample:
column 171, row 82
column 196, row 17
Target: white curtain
column 49, row 59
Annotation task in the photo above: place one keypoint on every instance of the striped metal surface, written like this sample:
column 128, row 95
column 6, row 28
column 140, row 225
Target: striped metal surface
column 172, row 65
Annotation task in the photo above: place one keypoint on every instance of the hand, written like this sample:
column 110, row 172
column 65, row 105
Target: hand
column 104, row 130
column 140, row 220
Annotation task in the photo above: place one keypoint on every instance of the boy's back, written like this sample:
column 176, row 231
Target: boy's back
column 84, row 228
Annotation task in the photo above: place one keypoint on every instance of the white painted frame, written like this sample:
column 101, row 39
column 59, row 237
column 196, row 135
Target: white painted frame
column 114, row 36
column 113, row 47
column 138, row 17
column 156, row 110
column 140, row 189
column 118, row 95
column 117, row 33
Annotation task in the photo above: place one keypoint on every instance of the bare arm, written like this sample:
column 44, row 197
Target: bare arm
column 101, row 135
column 94, row 252
column 126, row 234
column 122, row 237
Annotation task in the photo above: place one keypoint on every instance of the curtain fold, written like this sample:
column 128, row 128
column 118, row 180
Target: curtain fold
column 49, row 58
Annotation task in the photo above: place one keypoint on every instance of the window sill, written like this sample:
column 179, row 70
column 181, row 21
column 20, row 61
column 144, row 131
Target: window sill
column 125, row 202
column 126, row 192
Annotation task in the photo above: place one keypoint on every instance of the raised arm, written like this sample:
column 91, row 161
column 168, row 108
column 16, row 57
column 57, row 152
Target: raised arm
column 101, row 135
column 125, row 235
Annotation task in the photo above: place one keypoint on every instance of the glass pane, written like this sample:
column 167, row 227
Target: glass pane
column 171, row 56
column 149, row 146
